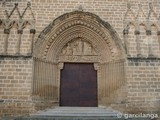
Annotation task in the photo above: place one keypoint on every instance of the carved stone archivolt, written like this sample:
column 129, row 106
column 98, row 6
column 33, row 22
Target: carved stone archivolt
column 87, row 26
column 82, row 37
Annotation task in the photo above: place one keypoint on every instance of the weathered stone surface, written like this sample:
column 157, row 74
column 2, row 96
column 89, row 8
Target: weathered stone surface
column 108, row 28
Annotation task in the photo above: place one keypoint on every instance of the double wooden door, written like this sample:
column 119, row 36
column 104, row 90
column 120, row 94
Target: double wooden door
column 78, row 85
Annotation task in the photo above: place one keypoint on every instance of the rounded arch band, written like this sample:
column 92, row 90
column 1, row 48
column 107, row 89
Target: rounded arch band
column 79, row 24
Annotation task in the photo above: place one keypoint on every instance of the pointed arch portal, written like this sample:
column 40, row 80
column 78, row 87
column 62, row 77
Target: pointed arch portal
column 77, row 37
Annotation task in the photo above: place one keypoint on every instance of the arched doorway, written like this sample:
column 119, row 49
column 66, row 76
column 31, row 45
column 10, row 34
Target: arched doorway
column 77, row 38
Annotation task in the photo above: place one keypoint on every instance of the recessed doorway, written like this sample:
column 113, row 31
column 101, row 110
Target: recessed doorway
column 78, row 85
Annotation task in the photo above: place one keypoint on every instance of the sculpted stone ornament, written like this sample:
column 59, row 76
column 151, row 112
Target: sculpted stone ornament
column 6, row 31
column 80, row 8
column 0, row 21
column 7, row 26
column 78, row 47
column 81, row 37
column 148, row 32
column 32, row 31
column 137, row 32
column 158, row 34
column 21, row 24
column 78, row 50
column 125, row 33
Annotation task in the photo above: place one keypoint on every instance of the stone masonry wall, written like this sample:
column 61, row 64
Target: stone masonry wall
column 117, row 13
column 143, row 79
column 15, row 86
column 143, row 76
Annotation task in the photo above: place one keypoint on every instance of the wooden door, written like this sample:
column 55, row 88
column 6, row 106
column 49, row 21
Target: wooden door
column 78, row 85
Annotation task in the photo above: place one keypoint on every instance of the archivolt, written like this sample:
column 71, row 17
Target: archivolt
column 101, row 46
column 79, row 24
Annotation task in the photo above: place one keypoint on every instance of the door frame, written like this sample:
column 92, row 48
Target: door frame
column 96, row 80
column 96, row 67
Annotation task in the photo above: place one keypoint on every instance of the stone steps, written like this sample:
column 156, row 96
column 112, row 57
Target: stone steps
column 76, row 113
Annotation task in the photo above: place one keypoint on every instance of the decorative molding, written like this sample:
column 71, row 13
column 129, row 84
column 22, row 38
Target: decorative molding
column 158, row 33
column 20, row 24
column 80, row 8
column 137, row 32
column 91, row 30
column 81, row 37
column 88, row 59
column 137, row 22
column 8, row 24
column 140, row 11
column 96, row 66
column 74, row 23
column 20, row 31
column 60, row 66
column 151, row 10
column 129, row 10
column 78, row 47
column 6, row 31
column 148, row 32
column 32, row 31
column 20, row 15
column 125, row 31
column 141, row 59
column 15, row 56
column 0, row 22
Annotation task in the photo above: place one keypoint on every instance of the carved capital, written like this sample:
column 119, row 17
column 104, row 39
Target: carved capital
column 16, row 4
column 125, row 31
column 96, row 66
column 158, row 32
column 32, row 31
column 0, row 21
column 20, row 31
column 148, row 32
column 60, row 66
column 137, row 32
column 6, row 31
column 28, row 4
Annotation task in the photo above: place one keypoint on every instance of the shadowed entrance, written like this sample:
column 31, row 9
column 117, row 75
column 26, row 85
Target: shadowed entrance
column 73, row 38
column 78, row 85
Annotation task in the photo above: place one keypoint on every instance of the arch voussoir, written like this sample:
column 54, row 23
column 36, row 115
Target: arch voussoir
column 82, row 37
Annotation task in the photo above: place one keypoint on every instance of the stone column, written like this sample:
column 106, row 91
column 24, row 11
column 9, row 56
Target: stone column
column 158, row 33
column 59, row 68
column 138, row 48
column 21, row 24
column 125, row 33
column 7, row 26
column 32, row 33
column 20, row 32
column 6, row 32
column 150, row 52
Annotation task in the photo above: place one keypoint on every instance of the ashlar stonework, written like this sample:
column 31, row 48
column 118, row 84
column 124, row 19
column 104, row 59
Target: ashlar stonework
column 120, row 38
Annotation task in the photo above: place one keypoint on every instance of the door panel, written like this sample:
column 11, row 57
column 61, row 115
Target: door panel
column 88, row 86
column 78, row 85
column 69, row 86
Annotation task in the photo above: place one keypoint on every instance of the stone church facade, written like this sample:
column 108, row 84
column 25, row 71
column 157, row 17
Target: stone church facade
column 119, row 39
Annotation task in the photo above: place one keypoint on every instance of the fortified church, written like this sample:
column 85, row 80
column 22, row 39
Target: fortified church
column 79, row 53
